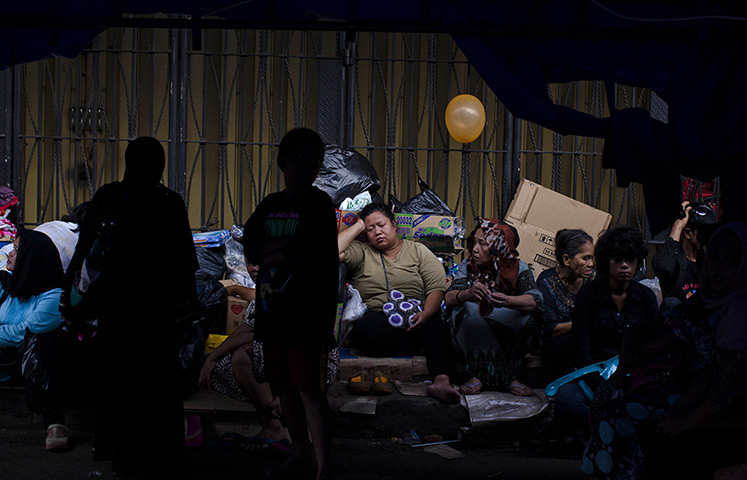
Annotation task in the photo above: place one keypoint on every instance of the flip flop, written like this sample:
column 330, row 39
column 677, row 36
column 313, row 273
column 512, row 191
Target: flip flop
column 59, row 439
column 471, row 387
column 258, row 443
column 359, row 384
column 519, row 389
column 381, row 384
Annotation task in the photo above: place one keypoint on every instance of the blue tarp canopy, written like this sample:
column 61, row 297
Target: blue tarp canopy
column 690, row 54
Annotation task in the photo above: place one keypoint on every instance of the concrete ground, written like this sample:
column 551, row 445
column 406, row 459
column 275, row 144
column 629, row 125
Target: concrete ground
column 366, row 445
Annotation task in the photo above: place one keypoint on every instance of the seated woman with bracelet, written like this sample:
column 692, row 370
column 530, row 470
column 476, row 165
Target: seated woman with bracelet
column 492, row 301
column 386, row 263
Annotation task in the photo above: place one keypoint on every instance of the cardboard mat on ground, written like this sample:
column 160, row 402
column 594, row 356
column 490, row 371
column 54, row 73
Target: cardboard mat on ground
column 538, row 213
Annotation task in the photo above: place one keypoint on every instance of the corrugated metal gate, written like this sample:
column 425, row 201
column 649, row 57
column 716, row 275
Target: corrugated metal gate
column 220, row 102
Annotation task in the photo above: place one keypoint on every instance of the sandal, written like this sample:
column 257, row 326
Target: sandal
column 472, row 387
column 258, row 443
column 57, row 438
column 519, row 389
column 359, row 384
column 381, row 384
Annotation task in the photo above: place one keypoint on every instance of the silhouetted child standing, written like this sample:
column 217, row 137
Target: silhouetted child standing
column 292, row 238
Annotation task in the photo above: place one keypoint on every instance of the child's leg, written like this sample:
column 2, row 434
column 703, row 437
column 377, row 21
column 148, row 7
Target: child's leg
column 294, row 418
column 316, row 410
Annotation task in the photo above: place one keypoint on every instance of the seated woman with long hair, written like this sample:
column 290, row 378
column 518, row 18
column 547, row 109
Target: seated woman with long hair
column 29, row 302
column 492, row 301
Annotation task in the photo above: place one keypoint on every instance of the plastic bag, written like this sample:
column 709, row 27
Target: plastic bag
column 236, row 264
column 192, row 324
column 424, row 202
column 345, row 174
column 354, row 309
column 653, row 284
column 212, row 264
column 213, row 299
column 356, row 204
column 42, row 369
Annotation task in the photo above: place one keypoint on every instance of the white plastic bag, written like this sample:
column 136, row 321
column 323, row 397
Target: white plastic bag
column 354, row 309
column 356, row 204
column 235, row 263
column 653, row 284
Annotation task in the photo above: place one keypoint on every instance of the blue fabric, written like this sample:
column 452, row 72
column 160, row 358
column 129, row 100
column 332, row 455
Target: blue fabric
column 697, row 67
column 38, row 314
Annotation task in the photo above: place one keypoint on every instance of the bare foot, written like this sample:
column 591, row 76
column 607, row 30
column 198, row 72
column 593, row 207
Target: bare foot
column 519, row 389
column 273, row 409
column 442, row 390
column 472, row 387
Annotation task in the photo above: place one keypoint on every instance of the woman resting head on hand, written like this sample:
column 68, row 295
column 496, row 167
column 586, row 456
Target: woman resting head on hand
column 386, row 264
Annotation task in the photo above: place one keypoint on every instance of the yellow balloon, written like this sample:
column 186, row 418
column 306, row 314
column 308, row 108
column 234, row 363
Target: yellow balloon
column 465, row 118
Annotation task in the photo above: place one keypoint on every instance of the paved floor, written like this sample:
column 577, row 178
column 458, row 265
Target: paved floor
column 365, row 446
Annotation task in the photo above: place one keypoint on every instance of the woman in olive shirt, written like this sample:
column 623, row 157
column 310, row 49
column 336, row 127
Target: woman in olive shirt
column 388, row 263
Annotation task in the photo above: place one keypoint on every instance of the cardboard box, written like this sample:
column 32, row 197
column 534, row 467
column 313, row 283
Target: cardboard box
column 440, row 234
column 235, row 313
column 345, row 220
column 214, row 238
column 538, row 213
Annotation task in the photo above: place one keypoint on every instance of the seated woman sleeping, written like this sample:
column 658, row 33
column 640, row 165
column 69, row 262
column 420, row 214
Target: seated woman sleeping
column 492, row 301
column 388, row 263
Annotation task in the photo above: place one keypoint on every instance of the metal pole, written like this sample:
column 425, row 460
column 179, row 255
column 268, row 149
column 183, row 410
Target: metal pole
column 16, row 129
column 508, row 144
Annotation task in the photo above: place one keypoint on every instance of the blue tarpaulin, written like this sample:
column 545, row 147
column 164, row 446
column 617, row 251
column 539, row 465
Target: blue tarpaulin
column 690, row 54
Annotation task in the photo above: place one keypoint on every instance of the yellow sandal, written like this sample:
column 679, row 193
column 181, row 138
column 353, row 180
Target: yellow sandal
column 359, row 384
column 381, row 384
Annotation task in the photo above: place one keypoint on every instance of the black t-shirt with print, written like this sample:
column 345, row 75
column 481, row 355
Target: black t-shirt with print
column 294, row 242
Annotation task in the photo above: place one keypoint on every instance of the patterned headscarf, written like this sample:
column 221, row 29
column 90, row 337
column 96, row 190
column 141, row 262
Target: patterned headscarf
column 502, row 275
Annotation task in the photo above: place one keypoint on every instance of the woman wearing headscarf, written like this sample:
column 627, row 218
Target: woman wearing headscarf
column 29, row 299
column 149, row 273
column 492, row 301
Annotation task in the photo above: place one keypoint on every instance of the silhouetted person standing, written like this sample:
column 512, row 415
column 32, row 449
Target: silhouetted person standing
column 292, row 237
column 149, row 271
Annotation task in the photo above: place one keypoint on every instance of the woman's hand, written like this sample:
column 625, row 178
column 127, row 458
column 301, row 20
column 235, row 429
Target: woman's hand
column 207, row 369
column 418, row 320
column 476, row 292
column 499, row 299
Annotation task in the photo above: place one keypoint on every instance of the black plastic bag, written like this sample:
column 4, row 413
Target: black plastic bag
column 213, row 299
column 346, row 174
column 212, row 263
column 190, row 323
column 42, row 367
column 425, row 202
